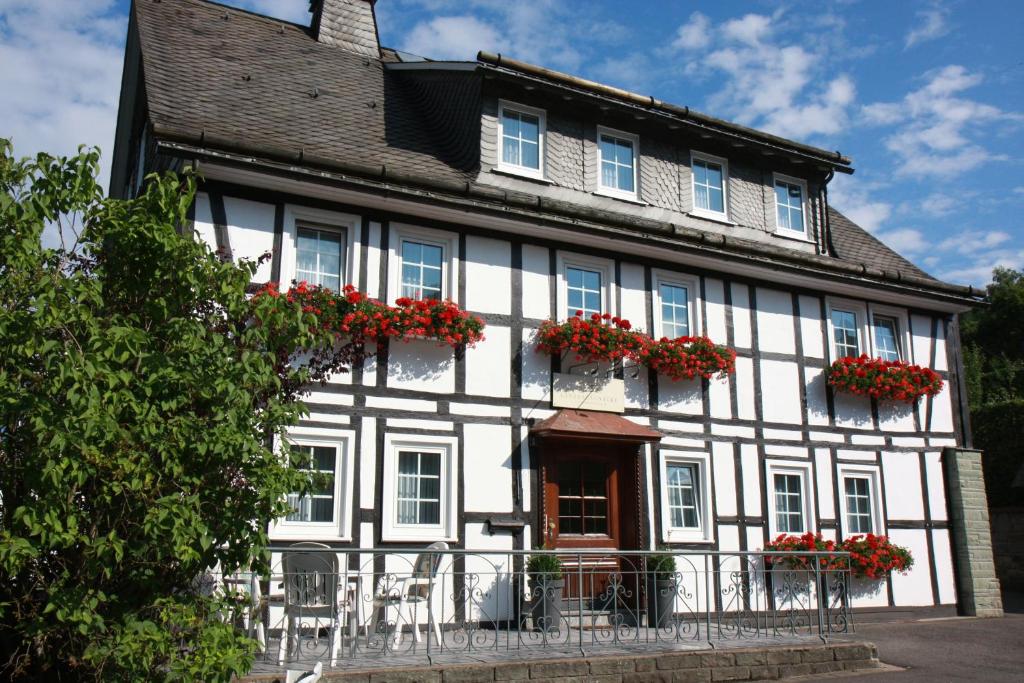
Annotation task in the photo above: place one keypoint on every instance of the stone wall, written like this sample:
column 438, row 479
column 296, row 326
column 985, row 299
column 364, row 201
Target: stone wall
column 746, row 664
column 977, row 585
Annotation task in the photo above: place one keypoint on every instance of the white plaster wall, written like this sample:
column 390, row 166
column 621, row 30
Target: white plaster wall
column 488, row 276
column 853, row 411
column 683, row 396
column 373, row 252
column 203, row 222
column 250, row 232
column 367, row 464
column 823, row 472
column 750, row 470
column 634, row 296
column 490, row 595
column 488, row 468
column 868, row 593
column 780, row 390
column 895, row 416
column 536, row 273
column 941, row 363
column 942, row 411
column 421, row 365
column 714, row 302
column 724, row 466
column 902, row 474
column 816, row 387
column 915, row 587
column 936, row 485
column 921, row 339
column 741, row 316
column 745, row 388
column 719, row 396
column 775, row 321
column 536, row 369
column 944, row 566
column 489, row 364
column 810, row 327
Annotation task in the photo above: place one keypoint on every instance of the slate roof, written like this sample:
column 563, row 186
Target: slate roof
column 251, row 82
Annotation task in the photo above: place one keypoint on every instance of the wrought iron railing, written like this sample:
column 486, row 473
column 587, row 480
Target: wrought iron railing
column 350, row 606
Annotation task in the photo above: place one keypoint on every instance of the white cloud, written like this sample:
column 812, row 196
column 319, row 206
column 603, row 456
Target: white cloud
column 937, row 125
column 772, row 81
column 61, row 75
column 978, row 270
column 906, row 241
column 458, row 37
column 857, row 200
column 694, row 34
column 940, row 204
column 930, row 24
column 972, row 242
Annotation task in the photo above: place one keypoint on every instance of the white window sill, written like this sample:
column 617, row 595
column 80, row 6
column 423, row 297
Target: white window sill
column 525, row 174
column 687, row 536
column 709, row 216
column 793, row 235
column 308, row 534
column 414, row 537
column 632, row 199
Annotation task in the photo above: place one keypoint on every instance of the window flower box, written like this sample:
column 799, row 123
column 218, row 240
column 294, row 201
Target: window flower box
column 604, row 338
column 885, row 380
column 870, row 557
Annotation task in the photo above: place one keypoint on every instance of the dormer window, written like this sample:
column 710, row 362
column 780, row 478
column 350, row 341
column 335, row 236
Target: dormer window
column 616, row 160
column 710, row 177
column 521, row 137
column 790, row 211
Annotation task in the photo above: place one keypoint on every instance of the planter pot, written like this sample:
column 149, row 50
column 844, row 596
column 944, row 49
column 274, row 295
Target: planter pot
column 661, row 601
column 546, row 595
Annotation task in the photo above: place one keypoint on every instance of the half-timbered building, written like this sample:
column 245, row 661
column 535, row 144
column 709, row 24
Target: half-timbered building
column 524, row 194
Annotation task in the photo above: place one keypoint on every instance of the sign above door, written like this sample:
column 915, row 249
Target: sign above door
column 585, row 392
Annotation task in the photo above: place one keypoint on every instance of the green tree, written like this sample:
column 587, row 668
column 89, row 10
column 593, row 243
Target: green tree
column 141, row 393
column 993, row 342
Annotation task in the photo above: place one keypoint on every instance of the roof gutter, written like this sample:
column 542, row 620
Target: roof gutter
column 834, row 160
column 202, row 145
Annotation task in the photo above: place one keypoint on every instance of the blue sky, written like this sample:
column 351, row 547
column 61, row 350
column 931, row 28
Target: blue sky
column 926, row 96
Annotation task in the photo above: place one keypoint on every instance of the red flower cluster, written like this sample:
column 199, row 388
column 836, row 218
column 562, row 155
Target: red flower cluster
column 870, row 556
column 884, row 380
column 607, row 338
column 354, row 315
column 875, row 557
column 807, row 543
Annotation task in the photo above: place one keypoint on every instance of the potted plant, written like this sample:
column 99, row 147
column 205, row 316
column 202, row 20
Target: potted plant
column 546, row 585
column 661, row 589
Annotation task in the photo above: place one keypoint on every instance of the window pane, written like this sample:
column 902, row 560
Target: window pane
column 591, row 280
column 607, row 146
column 624, row 152
column 530, row 155
column 529, row 128
column 412, row 252
column 592, row 302
column 626, row 179
column 318, row 257
column 700, row 173
column 510, row 151
column 430, row 512
column 886, row 340
column 715, row 200
column 683, row 495
column 432, row 255
column 844, row 329
column 317, row 506
column 510, row 124
column 714, row 176
column 574, row 276
column 789, row 503
column 608, row 174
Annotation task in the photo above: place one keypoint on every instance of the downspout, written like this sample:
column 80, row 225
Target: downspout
column 826, row 222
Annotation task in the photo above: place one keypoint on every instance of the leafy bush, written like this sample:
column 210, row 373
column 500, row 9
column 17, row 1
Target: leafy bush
column 138, row 405
column 999, row 433
column 544, row 568
column 662, row 566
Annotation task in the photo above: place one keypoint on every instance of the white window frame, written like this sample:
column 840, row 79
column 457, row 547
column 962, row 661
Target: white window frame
column 902, row 329
column 449, row 243
column 708, row 213
column 803, row 470
column 517, row 169
column 692, row 284
column 447, row 528
column 704, row 534
column 341, row 528
column 296, row 216
column 863, row 333
column 615, row 192
column 871, row 473
column 804, row 234
column 601, row 265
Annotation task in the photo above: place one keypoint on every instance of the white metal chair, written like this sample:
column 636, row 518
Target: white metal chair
column 312, row 676
column 409, row 600
column 312, row 591
column 246, row 585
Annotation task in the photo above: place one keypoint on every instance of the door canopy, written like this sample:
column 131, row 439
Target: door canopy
column 586, row 424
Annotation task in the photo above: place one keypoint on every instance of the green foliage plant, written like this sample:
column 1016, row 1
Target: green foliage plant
column 142, row 423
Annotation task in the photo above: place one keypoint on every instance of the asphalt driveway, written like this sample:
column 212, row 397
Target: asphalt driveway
column 960, row 649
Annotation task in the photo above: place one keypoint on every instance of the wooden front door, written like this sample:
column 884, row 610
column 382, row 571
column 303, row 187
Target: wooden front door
column 589, row 492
